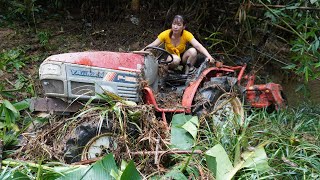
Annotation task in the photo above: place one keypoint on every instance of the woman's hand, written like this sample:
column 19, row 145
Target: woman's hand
column 219, row 64
column 212, row 61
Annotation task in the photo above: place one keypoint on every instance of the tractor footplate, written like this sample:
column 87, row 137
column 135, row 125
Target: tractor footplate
column 53, row 106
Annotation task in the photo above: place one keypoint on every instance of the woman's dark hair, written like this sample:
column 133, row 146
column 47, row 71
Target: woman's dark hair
column 180, row 18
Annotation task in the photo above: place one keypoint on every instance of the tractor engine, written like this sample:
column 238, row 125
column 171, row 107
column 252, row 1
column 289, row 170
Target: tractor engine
column 84, row 75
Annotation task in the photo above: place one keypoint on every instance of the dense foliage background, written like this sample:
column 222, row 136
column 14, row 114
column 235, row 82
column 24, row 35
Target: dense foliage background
column 243, row 27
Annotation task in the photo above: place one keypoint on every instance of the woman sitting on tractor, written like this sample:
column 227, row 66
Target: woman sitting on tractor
column 176, row 40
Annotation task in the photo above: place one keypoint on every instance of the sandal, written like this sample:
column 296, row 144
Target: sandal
column 192, row 69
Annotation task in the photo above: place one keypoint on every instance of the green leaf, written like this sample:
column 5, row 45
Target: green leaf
column 123, row 166
column 313, row 1
column 317, row 65
column 20, row 176
column 256, row 159
column 306, row 71
column 291, row 66
column 9, row 117
column 130, row 172
column 270, row 15
column 9, row 106
column 315, row 46
column 15, row 127
column 7, row 172
column 175, row 174
column 2, row 125
column 180, row 138
column 99, row 170
column 7, row 94
column 192, row 126
column 115, row 175
column 292, row 7
column 22, row 105
column 218, row 162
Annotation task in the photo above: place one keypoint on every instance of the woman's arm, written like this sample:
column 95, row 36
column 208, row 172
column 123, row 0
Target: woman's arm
column 156, row 42
column 201, row 49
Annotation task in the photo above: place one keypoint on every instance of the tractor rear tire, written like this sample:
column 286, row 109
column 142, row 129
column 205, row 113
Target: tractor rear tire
column 214, row 100
column 206, row 97
column 228, row 107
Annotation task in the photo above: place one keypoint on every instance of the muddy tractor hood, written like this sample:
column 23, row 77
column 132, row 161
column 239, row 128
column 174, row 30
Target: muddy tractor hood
column 102, row 59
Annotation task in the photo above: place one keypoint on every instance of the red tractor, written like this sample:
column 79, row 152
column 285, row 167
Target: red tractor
column 83, row 75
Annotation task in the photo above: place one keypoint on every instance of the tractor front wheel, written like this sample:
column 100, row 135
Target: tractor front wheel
column 86, row 143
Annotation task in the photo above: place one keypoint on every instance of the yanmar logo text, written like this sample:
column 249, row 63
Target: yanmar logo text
column 95, row 74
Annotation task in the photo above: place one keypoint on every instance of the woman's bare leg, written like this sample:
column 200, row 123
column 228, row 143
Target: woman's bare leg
column 176, row 61
column 190, row 57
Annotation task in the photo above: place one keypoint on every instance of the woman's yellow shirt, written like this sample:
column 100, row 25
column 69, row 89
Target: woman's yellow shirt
column 186, row 37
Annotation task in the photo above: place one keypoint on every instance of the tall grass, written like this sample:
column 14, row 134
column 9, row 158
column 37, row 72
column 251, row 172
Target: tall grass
column 293, row 142
column 291, row 137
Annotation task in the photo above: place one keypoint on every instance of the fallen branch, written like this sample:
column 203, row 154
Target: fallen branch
column 167, row 152
column 142, row 153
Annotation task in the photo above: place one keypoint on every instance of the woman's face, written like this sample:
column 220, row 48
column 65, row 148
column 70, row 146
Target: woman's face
column 177, row 26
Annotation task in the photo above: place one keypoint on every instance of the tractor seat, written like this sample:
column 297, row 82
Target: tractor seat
column 177, row 78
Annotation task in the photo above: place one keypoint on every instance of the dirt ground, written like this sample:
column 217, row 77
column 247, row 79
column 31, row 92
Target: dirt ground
column 76, row 35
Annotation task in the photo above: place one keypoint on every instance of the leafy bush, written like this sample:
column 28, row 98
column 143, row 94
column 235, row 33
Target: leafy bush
column 12, row 59
column 301, row 19
column 20, row 10
column 43, row 37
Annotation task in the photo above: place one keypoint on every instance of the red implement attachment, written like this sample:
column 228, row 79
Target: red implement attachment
column 260, row 96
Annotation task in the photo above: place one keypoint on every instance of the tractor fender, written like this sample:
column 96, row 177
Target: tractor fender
column 206, row 75
column 224, row 82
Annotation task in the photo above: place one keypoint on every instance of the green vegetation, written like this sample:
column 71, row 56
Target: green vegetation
column 279, row 145
column 13, row 61
column 304, row 27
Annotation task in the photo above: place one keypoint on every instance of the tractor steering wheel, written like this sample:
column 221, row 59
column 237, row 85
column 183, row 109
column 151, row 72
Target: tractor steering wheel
column 162, row 52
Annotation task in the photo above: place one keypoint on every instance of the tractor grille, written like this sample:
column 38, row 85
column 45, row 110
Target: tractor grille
column 129, row 93
column 52, row 86
column 80, row 88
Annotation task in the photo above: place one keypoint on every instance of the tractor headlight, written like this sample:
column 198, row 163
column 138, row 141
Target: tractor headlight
column 52, row 69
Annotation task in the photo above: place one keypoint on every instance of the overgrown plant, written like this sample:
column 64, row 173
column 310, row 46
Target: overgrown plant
column 26, row 10
column 293, row 148
column 105, row 168
column 279, row 145
column 12, row 59
column 301, row 19
column 43, row 37
column 10, row 119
